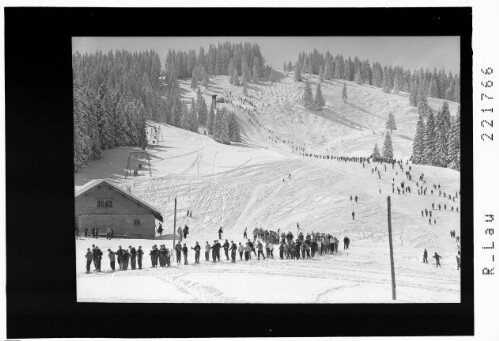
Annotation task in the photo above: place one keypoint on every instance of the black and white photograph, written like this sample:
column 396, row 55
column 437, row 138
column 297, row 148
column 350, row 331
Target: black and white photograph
column 214, row 172
column 267, row 169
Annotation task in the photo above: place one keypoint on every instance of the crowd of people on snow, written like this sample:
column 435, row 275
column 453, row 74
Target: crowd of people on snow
column 262, row 246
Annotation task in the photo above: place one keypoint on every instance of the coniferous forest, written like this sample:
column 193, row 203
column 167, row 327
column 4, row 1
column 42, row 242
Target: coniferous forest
column 115, row 93
column 437, row 137
column 438, row 84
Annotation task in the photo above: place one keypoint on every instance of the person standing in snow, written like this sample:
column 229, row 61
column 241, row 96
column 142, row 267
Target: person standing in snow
column 85, row 230
column 220, row 232
column 346, row 243
column 247, row 251
column 162, row 255
column 180, row 234
column 126, row 257
column 160, row 229
column 240, row 249
column 90, row 257
column 139, row 257
column 184, row 251
column 437, row 259
column 186, row 231
column 260, row 250
column 226, row 248
column 108, row 232
column 245, row 234
column 207, row 249
column 99, row 258
column 119, row 253
column 167, row 256
column 133, row 257
column 178, row 251
column 197, row 250
column 425, row 256
column 353, row 215
column 154, row 256
column 233, row 249
column 112, row 259
column 458, row 260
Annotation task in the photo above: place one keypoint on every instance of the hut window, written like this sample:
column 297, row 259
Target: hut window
column 136, row 222
column 104, row 203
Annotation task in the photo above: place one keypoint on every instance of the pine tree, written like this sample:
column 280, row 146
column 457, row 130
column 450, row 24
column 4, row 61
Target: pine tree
column 321, row 74
column 211, row 121
column 454, row 147
column 245, row 90
column 423, row 107
column 397, row 82
column 319, row 102
column 442, row 129
column 290, row 66
column 284, row 67
column 234, row 132
column 194, row 81
column 347, row 71
column 376, row 154
column 390, row 123
column 256, row 73
column 206, row 80
column 245, row 70
column 193, row 117
column 308, row 98
column 418, row 143
column 358, row 77
column 344, row 93
column 328, row 69
column 297, row 76
column 231, row 66
column 235, row 78
column 387, row 147
column 202, row 109
column 433, row 90
column 413, row 95
column 429, row 140
column 385, row 85
column 221, row 129
column 185, row 118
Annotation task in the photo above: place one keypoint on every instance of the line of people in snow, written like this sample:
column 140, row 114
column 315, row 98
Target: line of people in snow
column 303, row 247
column 125, row 257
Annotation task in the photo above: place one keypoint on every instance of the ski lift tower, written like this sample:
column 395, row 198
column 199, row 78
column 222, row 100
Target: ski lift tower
column 214, row 102
column 141, row 157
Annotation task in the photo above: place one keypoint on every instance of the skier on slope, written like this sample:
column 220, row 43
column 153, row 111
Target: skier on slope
column 220, row 232
column 437, row 259
column 425, row 256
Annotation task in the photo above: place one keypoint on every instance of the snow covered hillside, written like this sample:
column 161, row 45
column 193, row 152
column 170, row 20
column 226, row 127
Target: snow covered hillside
column 265, row 182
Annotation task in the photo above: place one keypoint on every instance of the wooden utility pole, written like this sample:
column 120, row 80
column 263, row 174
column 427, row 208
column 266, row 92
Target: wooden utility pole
column 174, row 224
column 389, row 207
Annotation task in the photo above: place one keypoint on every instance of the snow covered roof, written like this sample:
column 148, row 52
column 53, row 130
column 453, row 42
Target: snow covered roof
column 93, row 183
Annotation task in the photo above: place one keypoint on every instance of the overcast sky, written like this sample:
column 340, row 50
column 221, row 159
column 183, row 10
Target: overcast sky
column 409, row 52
